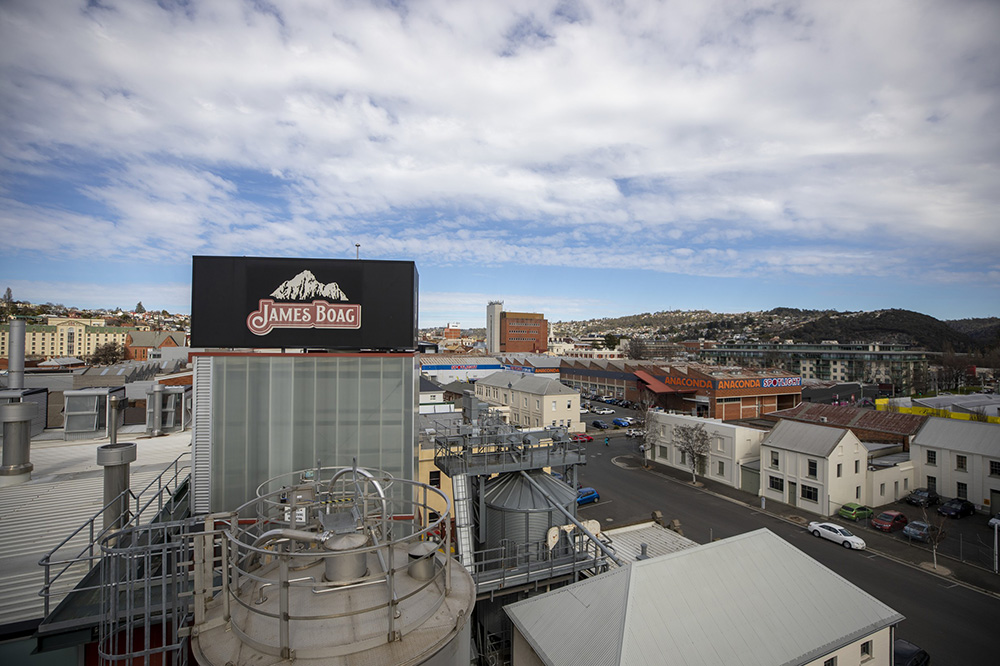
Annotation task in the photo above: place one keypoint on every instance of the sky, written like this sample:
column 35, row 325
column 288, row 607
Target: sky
column 580, row 159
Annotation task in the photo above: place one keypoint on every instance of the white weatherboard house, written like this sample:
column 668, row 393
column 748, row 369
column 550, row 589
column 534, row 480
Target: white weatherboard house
column 959, row 459
column 817, row 467
column 729, row 445
column 752, row 600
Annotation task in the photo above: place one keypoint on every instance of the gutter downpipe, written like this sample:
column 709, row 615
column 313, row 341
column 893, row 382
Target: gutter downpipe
column 604, row 549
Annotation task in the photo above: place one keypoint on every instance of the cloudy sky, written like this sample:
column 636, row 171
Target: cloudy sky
column 577, row 158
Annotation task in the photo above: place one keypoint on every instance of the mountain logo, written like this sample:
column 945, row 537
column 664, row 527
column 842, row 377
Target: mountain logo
column 318, row 313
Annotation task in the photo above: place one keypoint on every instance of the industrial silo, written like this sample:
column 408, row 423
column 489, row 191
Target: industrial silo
column 518, row 516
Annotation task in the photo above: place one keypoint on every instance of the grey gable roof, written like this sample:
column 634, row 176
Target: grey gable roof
column 752, row 599
column 526, row 383
column 955, row 435
column 808, row 438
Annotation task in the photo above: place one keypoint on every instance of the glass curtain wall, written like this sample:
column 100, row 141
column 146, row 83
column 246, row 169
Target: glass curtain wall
column 273, row 415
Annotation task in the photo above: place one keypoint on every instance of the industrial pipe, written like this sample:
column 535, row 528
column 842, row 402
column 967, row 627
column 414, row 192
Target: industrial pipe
column 15, row 368
column 16, row 418
column 157, row 410
column 115, row 459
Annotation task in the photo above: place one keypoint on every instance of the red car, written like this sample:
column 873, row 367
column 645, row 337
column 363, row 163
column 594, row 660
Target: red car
column 581, row 437
column 889, row 521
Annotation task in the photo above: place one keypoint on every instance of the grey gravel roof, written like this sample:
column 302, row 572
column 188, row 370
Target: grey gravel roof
column 808, row 438
column 750, row 600
column 955, row 435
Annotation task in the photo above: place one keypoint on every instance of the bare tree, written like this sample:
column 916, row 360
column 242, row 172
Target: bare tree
column 635, row 349
column 934, row 534
column 107, row 354
column 694, row 442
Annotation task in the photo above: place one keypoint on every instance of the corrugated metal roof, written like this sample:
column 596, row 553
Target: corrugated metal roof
column 853, row 417
column 750, row 600
column 457, row 359
column 955, row 435
column 808, row 438
column 627, row 541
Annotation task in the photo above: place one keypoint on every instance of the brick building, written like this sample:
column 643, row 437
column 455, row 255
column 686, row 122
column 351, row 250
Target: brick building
column 522, row 332
column 139, row 343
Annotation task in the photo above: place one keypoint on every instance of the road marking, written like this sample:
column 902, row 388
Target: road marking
column 948, row 587
column 587, row 506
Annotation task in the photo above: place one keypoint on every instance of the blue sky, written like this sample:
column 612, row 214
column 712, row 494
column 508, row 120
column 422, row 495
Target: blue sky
column 581, row 159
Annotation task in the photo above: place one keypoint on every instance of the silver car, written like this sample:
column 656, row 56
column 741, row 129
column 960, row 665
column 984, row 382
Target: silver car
column 837, row 534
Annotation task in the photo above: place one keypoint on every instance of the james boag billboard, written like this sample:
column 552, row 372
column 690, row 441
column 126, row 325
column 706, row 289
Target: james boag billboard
column 324, row 303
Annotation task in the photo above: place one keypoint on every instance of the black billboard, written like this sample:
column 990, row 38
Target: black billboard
column 316, row 303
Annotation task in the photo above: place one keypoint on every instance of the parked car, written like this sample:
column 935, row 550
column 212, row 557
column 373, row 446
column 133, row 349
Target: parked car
column 584, row 410
column 600, row 425
column 922, row 497
column 922, row 531
column 855, row 512
column 621, row 423
column 635, row 432
column 889, row 521
column 905, row 653
column 603, row 411
column 586, row 496
column 837, row 534
column 581, row 437
column 995, row 520
column 956, row 508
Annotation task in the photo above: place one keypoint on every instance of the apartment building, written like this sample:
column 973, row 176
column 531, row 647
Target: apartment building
column 531, row 401
column 63, row 337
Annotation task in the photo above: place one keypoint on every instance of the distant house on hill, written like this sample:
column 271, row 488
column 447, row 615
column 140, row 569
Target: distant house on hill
column 138, row 344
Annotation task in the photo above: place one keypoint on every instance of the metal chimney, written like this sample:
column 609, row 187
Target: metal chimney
column 15, row 368
column 16, row 418
column 157, row 410
column 115, row 459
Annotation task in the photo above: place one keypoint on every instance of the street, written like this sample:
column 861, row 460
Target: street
column 952, row 622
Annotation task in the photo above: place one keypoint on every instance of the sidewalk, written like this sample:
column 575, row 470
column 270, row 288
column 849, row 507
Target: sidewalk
column 915, row 555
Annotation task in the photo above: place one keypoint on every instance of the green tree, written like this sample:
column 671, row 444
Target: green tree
column 611, row 341
column 107, row 354
column 138, row 308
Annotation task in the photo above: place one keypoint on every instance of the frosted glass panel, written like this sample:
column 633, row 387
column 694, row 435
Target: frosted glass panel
column 275, row 415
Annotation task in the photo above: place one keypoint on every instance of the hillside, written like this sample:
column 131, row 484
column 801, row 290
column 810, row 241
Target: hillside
column 889, row 326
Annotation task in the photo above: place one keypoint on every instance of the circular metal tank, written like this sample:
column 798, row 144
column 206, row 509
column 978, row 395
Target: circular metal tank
column 518, row 513
column 345, row 563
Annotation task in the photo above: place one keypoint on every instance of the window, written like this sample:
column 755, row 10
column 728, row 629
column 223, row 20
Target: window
column 866, row 649
column 881, row 489
column 722, row 468
column 840, row 469
column 553, row 405
column 435, row 480
column 810, row 493
column 664, row 452
column 995, row 468
column 932, row 483
column 906, row 483
column 961, row 490
column 776, row 483
column 774, row 459
column 961, row 463
column 812, row 469
column 832, row 661
column 683, row 457
column 857, row 466
column 931, row 457
column 857, row 492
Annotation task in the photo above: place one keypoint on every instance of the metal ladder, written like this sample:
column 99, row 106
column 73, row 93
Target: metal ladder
column 463, row 519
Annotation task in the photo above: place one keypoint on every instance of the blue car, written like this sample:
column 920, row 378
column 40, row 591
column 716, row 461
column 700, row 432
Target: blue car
column 586, row 496
column 600, row 425
column 623, row 423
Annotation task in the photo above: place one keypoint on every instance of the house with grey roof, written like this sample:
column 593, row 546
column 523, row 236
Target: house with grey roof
column 531, row 401
column 753, row 599
column 959, row 459
column 813, row 466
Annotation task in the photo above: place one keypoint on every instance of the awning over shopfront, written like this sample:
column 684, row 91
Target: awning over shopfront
column 655, row 385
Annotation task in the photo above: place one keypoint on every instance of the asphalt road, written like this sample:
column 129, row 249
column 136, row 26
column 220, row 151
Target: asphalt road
column 954, row 623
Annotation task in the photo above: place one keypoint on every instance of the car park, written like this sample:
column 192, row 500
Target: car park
column 635, row 432
column 923, row 531
column 586, row 496
column 889, row 521
column 855, row 512
column 956, row 508
column 604, row 411
column 837, row 534
column 600, row 425
column 922, row 497
column 581, row 437
column 621, row 423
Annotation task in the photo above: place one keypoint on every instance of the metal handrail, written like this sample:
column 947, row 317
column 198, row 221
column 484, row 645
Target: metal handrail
column 90, row 553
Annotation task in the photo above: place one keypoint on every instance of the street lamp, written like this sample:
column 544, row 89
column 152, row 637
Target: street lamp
column 357, row 250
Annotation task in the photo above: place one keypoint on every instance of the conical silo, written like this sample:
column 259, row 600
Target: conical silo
column 516, row 513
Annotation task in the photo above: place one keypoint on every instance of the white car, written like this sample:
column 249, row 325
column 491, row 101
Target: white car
column 584, row 410
column 837, row 534
column 604, row 410
column 635, row 432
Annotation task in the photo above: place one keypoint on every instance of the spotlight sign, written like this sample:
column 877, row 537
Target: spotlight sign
column 317, row 303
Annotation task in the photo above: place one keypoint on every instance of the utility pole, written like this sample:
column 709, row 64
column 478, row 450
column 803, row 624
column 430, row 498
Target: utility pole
column 357, row 250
